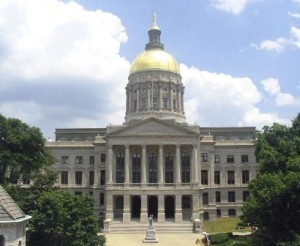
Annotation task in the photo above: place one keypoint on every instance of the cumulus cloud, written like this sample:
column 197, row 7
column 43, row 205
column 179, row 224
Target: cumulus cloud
column 58, row 63
column 231, row 6
column 272, row 87
column 280, row 44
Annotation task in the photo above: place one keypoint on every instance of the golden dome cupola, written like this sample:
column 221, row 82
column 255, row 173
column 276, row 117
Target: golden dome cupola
column 154, row 88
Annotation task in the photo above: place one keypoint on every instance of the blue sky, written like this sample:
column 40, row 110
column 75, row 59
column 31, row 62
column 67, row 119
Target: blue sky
column 66, row 63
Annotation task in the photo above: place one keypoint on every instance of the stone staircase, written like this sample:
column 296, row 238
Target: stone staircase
column 163, row 227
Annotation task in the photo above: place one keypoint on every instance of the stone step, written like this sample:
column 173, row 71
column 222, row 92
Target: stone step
column 119, row 227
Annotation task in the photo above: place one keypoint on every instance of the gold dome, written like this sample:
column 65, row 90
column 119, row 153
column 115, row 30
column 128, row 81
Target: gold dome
column 154, row 59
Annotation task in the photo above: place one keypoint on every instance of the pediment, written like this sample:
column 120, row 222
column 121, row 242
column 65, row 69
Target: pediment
column 153, row 127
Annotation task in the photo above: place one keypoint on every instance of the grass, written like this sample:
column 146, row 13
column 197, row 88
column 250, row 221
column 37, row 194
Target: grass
column 222, row 225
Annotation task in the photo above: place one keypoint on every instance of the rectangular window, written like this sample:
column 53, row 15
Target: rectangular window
column 154, row 103
column 205, row 198
column 245, row 177
column 165, row 103
column 78, row 178
column 102, row 157
column 92, row 177
column 244, row 158
column 91, row 193
column 143, row 104
column 230, row 158
column 64, row 178
column 101, row 198
column 217, row 177
column 78, row 160
column 102, row 177
column 204, row 157
column 230, row 177
column 78, row 193
column 204, row 177
column 64, row 159
column 217, row 159
column 92, row 160
column 134, row 104
column 231, row 196
column 218, row 196
column 246, row 194
column 174, row 104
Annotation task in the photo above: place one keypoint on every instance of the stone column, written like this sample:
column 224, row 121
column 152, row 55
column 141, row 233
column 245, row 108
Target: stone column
column 195, row 211
column 109, row 164
column 149, row 97
column 171, row 99
column 109, row 206
column 212, row 169
column 138, row 100
column 129, row 100
column 160, row 165
column 126, row 209
column 195, row 164
column 178, row 208
column 178, row 165
column 144, row 209
column 161, row 209
column 127, row 157
column 144, row 157
column 160, row 97
column 179, row 99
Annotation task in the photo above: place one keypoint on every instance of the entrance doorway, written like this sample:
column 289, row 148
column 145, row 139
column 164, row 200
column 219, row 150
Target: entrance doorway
column 152, row 206
column 169, row 207
column 136, row 207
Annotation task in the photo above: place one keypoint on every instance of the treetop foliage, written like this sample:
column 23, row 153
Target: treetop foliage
column 22, row 150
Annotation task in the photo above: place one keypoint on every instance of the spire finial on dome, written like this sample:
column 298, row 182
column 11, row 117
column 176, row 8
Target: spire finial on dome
column 154, row 18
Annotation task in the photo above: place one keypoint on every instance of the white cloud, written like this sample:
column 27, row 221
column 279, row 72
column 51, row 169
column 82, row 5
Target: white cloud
column 271, row 85
column 58, row 63
column 285, row 99
column 231, row 6
column 280, row 44
column 295, row 15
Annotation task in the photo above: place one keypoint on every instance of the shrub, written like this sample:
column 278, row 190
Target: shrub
column 219, row 238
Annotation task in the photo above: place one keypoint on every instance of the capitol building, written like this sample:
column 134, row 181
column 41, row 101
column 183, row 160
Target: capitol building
column 155, row 163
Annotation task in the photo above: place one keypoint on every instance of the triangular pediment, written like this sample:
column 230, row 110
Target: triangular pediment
column 153, row 127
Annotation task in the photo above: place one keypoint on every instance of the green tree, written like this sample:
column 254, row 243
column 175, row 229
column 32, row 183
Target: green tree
column 274, row 204
column 22, row 150
column 64, row 219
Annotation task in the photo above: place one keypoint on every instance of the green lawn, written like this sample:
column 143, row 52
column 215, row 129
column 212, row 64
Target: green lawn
column 222, row 225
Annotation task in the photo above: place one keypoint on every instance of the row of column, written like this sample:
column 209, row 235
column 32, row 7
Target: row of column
column 193, row 164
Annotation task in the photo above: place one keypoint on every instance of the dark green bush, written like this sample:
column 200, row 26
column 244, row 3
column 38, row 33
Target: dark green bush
column 219, row 238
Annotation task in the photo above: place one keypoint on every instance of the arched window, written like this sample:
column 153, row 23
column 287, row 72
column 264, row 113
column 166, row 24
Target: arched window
column 136, row 168
column 169, row 168
column 120, row 168
column 185, row 167
column 152, row 164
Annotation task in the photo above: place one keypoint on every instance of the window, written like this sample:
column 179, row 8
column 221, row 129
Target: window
column 218, row 196
column 2, row 240
column 230, row 158
column 217, row 159
column 244, row 158
column 152, row 163
column 91, row 193
column 78, row 178
column 120, row 168
column 64, row 159
column 231, row 196
column 134, row 104
column 219, row 213
column 143, row 104
column 102, row 177
column 78, row 193
column 206, row 216
column 165, row 103
column 101, row 198
column 92, row 160
column 205, row 198
column 64, row 178
column 92, row 177
column 245, row 195
column 78, row 160
column 154, row 103
column 169, row 168
column 231, row 212
column 230, row 177
column 185, row 168
column 136, row 168
column 174, row 104
column 186, row 202
column 204, row 157
column 217, row 177
column 102, row 157
column 204, row 177
column 245, row 177
column 119, row 202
